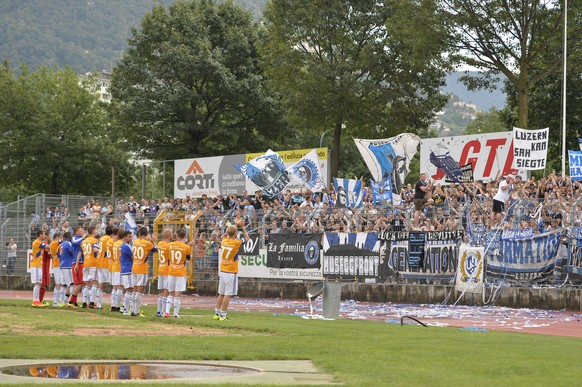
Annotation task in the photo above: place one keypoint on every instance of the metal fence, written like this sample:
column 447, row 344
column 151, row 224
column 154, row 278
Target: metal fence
column 20, row 220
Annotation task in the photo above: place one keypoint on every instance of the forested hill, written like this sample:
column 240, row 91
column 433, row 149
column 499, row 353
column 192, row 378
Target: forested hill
column 86, row 35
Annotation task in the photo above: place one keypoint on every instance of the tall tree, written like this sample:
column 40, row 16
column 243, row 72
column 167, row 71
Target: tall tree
column 368, row 68
column 191, row 83
column 517, row 38
column 54, row 136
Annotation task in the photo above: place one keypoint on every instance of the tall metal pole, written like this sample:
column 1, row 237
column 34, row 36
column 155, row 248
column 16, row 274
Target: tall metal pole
column 112, row 185
column 143, row 182
column 164, row 182
column 564, row 89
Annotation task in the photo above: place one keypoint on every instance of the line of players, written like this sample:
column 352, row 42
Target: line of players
column 83, row 263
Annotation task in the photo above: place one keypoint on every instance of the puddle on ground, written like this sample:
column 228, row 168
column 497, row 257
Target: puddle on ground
column 127, row 371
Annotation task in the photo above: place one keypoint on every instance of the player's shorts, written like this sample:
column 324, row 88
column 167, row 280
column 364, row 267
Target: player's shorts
column 139, row 279
column 78, row 275
column 126, row 281
column 36, row 275
column 162, row 282
column 89, row 274
column 228, row 284
column 115, row 278
column 66, row 277
column 58, row 276
column 103, row 276
column 176, row 284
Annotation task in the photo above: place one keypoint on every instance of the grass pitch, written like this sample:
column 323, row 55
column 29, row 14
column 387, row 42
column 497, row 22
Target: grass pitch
column 367, row 353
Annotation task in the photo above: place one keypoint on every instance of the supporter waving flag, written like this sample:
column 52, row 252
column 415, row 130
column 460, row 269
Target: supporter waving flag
column 389, row 157
column 349, row 192
column 382, row 191
column 267, row 172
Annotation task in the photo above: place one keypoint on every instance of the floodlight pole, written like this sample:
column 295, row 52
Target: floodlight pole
column 564, row 88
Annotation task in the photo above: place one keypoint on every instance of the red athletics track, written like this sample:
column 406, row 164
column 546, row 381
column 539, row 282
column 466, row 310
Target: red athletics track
column 538, row 321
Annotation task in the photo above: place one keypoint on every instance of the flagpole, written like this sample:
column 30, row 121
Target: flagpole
column 564, row 89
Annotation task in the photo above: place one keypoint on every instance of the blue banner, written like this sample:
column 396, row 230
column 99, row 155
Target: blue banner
column 348, row 193
column 520, row 258
column 382, row 191
column 267, row 172
column 575, row 162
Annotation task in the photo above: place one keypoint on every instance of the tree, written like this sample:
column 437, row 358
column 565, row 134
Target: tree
column 517, row 38
column 54, row 136
column 191, row 84
column 487, row 122
column 367, row 68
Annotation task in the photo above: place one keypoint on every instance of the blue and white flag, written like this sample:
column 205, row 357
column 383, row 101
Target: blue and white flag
column 382, row 191
column 519, row 258
column 580, row 143
column 308, row 171
column 267, row 172
column 348, row 193
column 575, row 162
column 390, row 157
column 130, row 223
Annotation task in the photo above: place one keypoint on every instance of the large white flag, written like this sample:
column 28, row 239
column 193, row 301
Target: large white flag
column 530, row 148
column 307, row 172
column 389, row 157
column 470, row 269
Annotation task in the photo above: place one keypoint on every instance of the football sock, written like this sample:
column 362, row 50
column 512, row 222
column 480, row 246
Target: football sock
column 35, row 293
column 162, row 305
column 93, row 293
column 169, row 303
column 177, row 304
column 127, row 301
column 85, row 294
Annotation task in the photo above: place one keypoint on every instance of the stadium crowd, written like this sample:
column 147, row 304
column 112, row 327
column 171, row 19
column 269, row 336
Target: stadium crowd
column 548, row 200
column 98, row 235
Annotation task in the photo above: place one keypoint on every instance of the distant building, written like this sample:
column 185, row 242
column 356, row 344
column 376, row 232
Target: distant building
column 102, row 83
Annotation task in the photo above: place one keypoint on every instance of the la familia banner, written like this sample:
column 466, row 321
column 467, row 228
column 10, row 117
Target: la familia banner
column 525, row 258
column 351, row 255
column 300, row 251
column 530, row 148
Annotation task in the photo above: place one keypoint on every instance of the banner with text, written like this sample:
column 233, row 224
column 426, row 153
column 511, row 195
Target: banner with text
column 431, row 255
column 300, row 251
column 353, row 255
column 216, row 175
column 524, row 258
column 489, row 154
column 530, row 148
column 255, row 266
column 575, row 162
column 470, row 270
